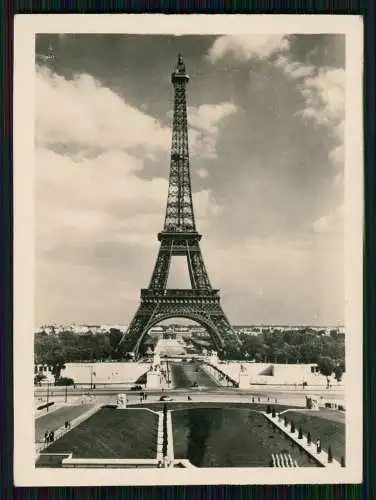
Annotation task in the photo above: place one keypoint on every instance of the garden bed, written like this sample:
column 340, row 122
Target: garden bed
column 111, row 433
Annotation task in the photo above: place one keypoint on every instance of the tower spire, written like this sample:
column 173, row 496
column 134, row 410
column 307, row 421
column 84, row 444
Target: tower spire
column 179, row 212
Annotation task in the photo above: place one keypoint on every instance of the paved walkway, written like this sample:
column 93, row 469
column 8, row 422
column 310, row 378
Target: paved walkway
column 60, row 431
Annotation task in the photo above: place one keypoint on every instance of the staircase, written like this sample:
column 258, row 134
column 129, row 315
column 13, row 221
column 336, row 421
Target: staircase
column 283, row 460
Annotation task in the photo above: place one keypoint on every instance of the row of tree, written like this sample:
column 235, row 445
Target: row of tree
column 68, row 347
column 270, row 346
column 289, row 346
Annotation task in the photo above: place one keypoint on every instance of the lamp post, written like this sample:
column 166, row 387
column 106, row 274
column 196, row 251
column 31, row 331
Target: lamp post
column 91, row 377
column 48, row 394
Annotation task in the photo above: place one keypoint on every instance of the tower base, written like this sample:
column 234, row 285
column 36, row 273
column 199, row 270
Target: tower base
column 202, row 306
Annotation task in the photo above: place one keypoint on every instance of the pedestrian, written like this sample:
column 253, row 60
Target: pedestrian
column 46, row 437
column 318, row 446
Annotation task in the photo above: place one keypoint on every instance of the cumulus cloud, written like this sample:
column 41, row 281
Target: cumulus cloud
column 323, row 91
column 83, row 112
column 293, row 69
column 246, row 47
column 96, row 211
column 204, row 124
column 324, row 94
column 208, row 117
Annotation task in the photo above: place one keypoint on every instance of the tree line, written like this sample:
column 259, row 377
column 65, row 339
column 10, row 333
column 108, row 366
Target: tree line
column 294, row 346
column 274, row 346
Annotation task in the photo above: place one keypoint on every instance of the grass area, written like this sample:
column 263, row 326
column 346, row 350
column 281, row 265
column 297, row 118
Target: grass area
column 222, row 437
column 52, row 420
column 328, row 431
column 336, row 416
column 111, row 433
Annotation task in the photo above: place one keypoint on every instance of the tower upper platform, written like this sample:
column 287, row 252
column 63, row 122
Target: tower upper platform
column 179, row 74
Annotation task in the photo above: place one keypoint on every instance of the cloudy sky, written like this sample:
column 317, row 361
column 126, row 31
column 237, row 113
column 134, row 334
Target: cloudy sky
column 266, row 120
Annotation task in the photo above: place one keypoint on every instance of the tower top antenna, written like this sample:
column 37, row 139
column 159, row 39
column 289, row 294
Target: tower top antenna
column 180, row 72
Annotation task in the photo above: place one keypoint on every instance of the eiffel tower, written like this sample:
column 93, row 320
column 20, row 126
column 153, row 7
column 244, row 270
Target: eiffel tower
column 179, row 237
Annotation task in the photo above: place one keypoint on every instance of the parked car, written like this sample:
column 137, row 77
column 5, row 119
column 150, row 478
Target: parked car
column 166, row 398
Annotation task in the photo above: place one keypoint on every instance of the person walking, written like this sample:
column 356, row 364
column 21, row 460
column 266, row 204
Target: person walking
column 46, row 437
column 318, row 446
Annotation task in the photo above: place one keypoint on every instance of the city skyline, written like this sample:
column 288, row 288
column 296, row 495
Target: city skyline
column 272, row 107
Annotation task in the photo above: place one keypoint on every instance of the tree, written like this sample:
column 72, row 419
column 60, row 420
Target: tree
column 252, row 345
column 50, row 351
column 65, row 381
column 38, row 378
column 309, row 352
column 326, row 365
column 114, row 337
column 338, row 372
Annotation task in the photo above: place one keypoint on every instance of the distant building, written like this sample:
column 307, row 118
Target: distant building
column 197, row 331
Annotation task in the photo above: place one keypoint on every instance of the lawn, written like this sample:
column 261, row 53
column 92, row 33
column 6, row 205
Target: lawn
column 328, row 431
column 112, row 433
column 224, row 437
column 52, row 420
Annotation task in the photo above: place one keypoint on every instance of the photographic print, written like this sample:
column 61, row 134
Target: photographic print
column 193, row 218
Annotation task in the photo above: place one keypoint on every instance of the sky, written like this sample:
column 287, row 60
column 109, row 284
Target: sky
column 266, row 124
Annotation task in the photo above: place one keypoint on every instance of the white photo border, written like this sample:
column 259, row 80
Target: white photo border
column 25, row 29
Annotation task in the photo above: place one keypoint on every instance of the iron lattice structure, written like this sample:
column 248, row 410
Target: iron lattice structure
column 179, row 237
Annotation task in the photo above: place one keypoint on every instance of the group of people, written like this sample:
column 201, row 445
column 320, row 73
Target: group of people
column 143, row 396
column 49, row 436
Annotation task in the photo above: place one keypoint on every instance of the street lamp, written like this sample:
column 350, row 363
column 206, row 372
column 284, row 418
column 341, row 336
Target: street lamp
column 48, row 394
